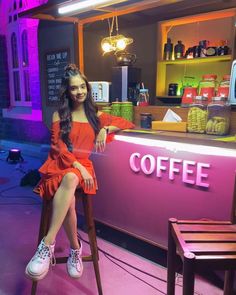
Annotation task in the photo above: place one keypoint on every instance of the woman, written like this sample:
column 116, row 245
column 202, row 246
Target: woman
column 76, row 128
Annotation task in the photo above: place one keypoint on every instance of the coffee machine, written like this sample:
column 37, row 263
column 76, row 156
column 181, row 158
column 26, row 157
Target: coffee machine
column 125, row 83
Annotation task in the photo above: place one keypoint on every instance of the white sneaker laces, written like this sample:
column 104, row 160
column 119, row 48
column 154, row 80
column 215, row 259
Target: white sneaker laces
column 75, row 257
column 46, row 251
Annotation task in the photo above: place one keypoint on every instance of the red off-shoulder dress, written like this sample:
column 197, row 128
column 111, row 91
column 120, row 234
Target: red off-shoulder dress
column 60, row 159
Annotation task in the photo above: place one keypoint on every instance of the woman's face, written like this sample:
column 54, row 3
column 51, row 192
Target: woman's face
column 77, row 89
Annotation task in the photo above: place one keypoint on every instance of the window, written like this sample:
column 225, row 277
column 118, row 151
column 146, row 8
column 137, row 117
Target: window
column 17, row 85
column 24, row 43
column 20, row 4
column 27, row 85
column 15, row 62
column 14, row 6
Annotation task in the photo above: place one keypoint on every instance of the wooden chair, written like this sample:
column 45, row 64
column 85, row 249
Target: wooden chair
column 202, row 244
column 88, row 213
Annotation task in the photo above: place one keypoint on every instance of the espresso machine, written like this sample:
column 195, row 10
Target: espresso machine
column 125, row 83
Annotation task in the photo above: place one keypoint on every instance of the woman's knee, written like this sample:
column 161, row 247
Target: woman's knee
column 70, row 179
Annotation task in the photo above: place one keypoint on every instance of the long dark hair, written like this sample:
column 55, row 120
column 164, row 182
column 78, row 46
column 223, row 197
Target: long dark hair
column 66, row 105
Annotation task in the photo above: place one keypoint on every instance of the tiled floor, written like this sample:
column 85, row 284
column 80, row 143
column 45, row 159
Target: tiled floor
column 19, row 221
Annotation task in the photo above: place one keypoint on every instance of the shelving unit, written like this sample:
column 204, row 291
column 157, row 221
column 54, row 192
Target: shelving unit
column 198, row 60
column 212, row 26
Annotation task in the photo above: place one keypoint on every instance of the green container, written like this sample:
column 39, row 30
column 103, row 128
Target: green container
column 127, row 110
column 116, row 109
column 106, row 110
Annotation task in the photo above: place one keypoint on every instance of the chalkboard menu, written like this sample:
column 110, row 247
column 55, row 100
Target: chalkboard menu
column 55, row 64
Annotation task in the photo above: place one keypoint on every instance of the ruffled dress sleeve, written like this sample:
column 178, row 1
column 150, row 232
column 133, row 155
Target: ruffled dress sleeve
column 59, row 156
column 119, row 122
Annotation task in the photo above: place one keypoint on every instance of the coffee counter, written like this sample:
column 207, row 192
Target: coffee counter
column 144, row 179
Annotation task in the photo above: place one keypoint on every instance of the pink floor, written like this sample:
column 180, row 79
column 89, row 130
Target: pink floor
column 19, row 221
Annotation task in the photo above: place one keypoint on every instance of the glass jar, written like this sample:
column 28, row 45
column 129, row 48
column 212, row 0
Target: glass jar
column 115, row 108
column 146, row 120
column 127, row 110
column 208, row 86
column 197, row 115
column 143, row 97
column 106, row 109
column 218, row 118
column 223, row 89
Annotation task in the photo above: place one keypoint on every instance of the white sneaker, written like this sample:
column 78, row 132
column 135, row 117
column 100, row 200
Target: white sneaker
column 74, row 263
column 38, row 266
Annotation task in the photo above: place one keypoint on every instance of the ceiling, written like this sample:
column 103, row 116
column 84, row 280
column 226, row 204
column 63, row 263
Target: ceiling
column 132, row 11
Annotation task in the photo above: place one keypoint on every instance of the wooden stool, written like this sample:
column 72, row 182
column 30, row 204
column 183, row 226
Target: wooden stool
column 88, row 212
column 202, row 244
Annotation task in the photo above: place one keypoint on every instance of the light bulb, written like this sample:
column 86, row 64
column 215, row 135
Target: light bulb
column 121, row 44
column 106, row 47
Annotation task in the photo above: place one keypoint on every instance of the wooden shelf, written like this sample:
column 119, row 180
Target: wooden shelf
column 197, row 60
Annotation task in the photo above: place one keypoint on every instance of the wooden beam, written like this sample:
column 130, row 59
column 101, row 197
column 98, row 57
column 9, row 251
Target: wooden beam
column 43, row 16
column 81, row 47
column 135, row 7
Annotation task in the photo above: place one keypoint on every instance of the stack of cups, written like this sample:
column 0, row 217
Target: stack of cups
column 115, row 108
column 127, row 110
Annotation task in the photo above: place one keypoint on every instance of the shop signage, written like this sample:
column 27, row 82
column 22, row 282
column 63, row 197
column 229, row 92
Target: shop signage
column 193, row 172
column 55, row 62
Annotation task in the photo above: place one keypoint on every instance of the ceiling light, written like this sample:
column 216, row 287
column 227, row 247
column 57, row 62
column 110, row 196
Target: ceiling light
column 85, row 5
column 116, row 42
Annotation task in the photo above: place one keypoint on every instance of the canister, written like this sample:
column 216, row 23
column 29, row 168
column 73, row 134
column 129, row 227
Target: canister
column 223, row 89
column 127, row 110
column 208, row 86
column 115, row 108
column 197, row 115
column 106, row 109
column 218, row 116
column 146, row 120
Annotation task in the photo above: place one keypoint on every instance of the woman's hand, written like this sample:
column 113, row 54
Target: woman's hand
column 101, row 140
column 87, row 177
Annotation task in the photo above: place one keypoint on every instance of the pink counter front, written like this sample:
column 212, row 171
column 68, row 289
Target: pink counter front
column 145, row 181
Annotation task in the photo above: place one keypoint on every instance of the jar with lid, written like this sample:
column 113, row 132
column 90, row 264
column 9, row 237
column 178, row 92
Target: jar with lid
column 218, row 116
column 208, row 86
column 197, row 115
column 146, row 120
column 223, row 89
column 115, row 108
column 127, row 110
column 143, row 97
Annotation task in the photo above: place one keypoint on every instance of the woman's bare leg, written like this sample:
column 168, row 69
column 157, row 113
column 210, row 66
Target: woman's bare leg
column 70, row 226
column 61, row 204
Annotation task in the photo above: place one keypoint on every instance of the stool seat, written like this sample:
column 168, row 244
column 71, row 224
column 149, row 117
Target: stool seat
column 88, row 213
column 201, row 244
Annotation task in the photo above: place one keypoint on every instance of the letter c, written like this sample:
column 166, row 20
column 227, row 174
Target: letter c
column 132, row 162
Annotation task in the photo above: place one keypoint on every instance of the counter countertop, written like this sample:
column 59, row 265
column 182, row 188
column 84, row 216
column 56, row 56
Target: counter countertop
column 193, row 138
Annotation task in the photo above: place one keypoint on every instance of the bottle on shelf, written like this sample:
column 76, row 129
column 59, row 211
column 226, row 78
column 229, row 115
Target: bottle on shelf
column 179, row 50
column 168, row 50
column 223, row 49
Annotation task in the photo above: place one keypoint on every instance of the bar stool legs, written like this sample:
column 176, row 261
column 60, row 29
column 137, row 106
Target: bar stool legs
column 87, row 204
column 171, row 261
column 88, row 212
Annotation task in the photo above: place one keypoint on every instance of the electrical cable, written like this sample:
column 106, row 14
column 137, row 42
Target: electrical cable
column 110, row 257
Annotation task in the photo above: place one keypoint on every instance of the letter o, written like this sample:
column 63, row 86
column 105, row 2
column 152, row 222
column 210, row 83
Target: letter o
column 144, row 166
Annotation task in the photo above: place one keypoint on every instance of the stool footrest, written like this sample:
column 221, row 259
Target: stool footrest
column 64, row 259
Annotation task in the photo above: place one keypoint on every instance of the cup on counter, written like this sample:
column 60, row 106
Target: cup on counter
column 146, row 120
